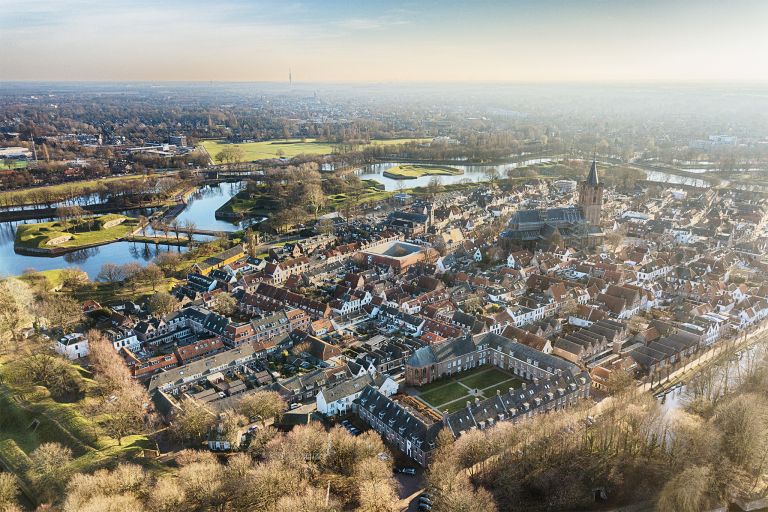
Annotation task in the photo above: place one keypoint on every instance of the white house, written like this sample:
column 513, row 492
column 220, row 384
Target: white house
column 339, row 398
column 72, row 346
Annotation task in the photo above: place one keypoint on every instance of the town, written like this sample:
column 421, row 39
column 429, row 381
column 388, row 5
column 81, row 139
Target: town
column 431, row 291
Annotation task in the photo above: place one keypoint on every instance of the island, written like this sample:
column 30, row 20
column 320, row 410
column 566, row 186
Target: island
column 413, row 171
column 61, row 236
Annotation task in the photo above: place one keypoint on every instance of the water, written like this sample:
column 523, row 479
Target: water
column 202, row 206
column 674, row 179
column 88, row 260
column 680, row 396
column 200, row 209
column 472, row 173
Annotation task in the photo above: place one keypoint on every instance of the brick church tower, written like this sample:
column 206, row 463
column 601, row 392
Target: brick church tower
column 591, row 196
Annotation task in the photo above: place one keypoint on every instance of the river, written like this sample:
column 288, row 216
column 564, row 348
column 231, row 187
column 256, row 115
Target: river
column 472, row 173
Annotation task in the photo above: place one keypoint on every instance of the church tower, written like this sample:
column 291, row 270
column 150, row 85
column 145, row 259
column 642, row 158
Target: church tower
column 591, row 196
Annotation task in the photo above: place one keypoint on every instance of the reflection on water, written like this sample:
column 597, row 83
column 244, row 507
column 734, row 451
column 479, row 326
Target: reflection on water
column 472, row 173
column 203, row 203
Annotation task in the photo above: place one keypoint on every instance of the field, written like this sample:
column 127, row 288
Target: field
column 410, row 172
column 19, row 197
column 287, row 148
column 37, row 236
column 13, row 164
column 451, row 394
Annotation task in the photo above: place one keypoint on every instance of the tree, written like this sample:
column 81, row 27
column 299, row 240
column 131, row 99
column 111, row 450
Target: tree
column 133, row 273
column 162, row 304
column 325, row 227
column 11, row 313
column 190, row 227
column 168, row 261
column 225, row 304
column 49, row 467
column 8, row 490
column 192, row 423
column 176, row 227
column 61, row 311
column 111, row 273
column 687, row 491
column 153, row 275
column 73, row 278
column 46, row 370
column 491, row 176
column 125, row 413
column 262, row 405
column 315, row 197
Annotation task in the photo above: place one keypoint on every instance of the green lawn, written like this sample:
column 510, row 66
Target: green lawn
column 485, row 378
column 451, row 394
column 413, row 171
column 38, row 235
column 448, row 392
column 14, row 164
column 288, row 148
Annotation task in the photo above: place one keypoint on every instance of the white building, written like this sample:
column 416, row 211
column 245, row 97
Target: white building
column 72, row 346
column 338, row 399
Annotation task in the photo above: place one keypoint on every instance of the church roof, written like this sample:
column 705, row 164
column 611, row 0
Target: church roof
column 592, row 177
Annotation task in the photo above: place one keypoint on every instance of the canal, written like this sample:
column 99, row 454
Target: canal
column 200, row 209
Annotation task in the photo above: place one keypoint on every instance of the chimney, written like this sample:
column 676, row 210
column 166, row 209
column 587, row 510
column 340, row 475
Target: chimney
column 525, row 385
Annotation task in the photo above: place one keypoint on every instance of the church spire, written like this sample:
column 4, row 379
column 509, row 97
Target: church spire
column 592, row 178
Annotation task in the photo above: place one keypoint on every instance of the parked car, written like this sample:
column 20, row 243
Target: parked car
column 406, row 471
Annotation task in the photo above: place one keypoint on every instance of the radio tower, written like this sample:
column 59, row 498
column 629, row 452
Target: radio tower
column 290, row 78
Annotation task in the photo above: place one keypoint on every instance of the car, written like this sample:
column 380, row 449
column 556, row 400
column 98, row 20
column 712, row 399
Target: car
column 406, row 471
column 423, row 499
column 424, row 506
column 294, row 406
column 354, row 431
column 346, row 423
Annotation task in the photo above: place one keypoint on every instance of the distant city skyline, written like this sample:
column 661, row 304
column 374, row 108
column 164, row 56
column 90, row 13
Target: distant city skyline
column 375, row 41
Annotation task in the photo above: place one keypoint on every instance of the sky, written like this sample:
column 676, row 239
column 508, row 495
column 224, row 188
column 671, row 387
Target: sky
column 385, row 41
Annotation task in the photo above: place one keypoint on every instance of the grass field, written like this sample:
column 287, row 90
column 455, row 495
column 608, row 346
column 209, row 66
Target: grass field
column 411, row 171
column 14, row 164
column 451, row 394
column 38, row 235
column 77, row 187
column 287, row 148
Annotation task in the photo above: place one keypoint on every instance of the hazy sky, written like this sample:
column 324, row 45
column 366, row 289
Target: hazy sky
column 338, row 40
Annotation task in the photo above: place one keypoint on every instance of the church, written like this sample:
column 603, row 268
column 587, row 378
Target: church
column 577, row 226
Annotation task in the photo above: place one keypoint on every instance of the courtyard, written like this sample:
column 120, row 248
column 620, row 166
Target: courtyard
column 451, row 394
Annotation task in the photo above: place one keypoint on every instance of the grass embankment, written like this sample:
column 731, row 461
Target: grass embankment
column 31, row 416
column 81, row 232
column 19, row 197
column 413, row 171
column 290, row 148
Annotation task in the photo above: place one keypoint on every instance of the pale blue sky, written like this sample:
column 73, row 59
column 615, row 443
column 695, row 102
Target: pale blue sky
column 341, row 40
